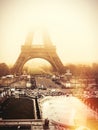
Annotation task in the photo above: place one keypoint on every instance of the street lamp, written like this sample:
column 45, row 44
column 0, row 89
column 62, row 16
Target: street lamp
column 68, row 75
column 28, row 85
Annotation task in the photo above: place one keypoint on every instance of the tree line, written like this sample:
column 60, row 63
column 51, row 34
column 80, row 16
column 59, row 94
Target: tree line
column 79, row 70
column 84, row 71
column 4, row 69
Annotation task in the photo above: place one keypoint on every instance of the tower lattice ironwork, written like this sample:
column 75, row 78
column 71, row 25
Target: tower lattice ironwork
column 46, row 51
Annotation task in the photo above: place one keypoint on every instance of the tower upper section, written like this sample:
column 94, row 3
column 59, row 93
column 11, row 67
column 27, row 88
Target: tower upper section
column 46, row 40
column 29, row 39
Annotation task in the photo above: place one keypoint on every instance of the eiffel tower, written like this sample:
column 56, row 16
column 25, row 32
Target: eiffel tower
column 46, row 51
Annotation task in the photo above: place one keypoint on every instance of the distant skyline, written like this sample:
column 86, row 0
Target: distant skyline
column 72, row 25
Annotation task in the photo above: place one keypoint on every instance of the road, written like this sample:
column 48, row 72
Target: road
column 46, row 82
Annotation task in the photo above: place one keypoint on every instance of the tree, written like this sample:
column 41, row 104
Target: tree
column 95, row 72
column 4, row 69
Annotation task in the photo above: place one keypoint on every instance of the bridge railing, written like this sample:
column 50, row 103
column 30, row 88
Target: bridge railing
column 21, row 122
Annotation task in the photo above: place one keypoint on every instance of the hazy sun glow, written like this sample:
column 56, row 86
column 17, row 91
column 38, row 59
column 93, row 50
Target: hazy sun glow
column 38, row 65
column 72, row 26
